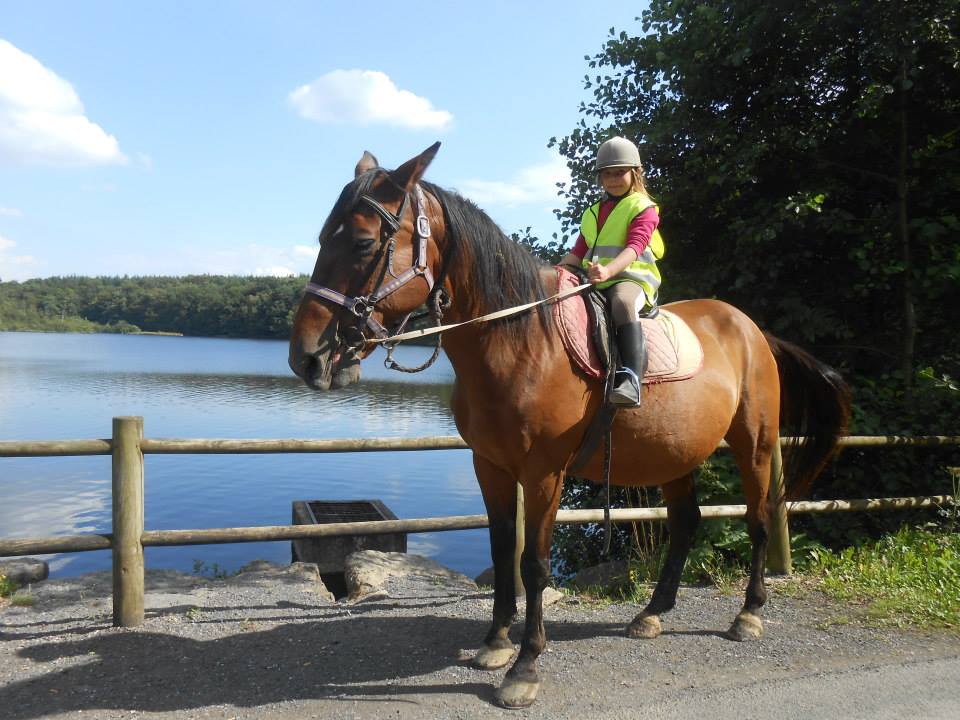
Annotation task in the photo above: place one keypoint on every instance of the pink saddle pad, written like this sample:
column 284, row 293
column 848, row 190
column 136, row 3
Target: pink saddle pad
column 673, row 350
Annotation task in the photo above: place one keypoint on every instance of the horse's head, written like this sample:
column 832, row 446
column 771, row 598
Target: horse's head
column 375, row 265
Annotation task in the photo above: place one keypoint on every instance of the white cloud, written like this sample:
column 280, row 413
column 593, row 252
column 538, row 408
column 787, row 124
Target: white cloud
column 275, row 271
column 366, row 97
column 10, row 212
column 306, row 251
column 42, row 120
column 252, row 259
column 534, row 184
column 14, row 267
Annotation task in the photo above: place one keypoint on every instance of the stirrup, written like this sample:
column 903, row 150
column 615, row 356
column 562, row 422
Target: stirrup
column 626, row 390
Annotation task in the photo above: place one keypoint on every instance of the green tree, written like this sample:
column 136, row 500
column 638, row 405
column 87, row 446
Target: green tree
column 805, row 159
column 200, row 305
column 805, row 156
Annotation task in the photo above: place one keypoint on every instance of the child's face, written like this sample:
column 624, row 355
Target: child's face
column 617, row 181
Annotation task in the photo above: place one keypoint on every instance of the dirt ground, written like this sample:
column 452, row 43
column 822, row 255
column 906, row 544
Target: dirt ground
column 269, row 644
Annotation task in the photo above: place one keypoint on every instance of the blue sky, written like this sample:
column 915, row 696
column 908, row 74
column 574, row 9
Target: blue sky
column 168, row 138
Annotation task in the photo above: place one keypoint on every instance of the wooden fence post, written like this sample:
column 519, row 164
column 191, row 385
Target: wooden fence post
column 519, row 545
column 128, row 584
column 779, row 560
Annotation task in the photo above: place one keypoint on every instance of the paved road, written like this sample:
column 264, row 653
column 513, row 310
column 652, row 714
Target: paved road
column 927, row 690
column 265, row 646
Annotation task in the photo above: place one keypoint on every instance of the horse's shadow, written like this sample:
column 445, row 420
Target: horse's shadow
column 341, row 657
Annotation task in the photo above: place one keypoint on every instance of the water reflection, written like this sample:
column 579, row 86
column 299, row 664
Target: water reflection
column 70, row 386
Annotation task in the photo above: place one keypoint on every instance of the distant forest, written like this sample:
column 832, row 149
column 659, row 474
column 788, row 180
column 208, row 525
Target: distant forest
column 198, row 305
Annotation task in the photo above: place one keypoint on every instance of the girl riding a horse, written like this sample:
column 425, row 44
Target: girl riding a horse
column 618, row 247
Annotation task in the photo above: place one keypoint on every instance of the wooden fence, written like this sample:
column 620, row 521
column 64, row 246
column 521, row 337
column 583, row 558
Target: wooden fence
column 128, row 446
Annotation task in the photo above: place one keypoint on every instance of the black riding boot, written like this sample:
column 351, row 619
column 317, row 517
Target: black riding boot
column 633, row 363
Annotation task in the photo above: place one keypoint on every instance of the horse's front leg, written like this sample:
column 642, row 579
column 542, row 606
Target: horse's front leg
column 541, row 497
column 500, row 497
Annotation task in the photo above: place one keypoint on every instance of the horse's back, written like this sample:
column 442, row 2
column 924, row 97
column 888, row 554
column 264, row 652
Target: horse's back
column 679, row 424
column 733, row 345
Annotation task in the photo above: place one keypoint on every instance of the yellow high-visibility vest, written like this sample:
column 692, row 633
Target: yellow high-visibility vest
column 612, row 240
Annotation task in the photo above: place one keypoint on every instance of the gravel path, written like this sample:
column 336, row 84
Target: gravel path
column 267, row 644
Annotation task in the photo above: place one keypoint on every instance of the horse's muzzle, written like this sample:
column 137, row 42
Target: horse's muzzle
column 325, row 369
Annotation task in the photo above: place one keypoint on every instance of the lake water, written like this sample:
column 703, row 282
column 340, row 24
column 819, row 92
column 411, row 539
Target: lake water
column 70, row 386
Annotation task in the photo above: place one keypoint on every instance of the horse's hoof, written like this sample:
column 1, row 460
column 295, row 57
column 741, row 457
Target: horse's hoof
column 488, row 658
column 746, row 626
column 646, row 627
column 517, row 694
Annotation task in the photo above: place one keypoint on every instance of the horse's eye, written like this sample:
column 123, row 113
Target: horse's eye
column 364, row 245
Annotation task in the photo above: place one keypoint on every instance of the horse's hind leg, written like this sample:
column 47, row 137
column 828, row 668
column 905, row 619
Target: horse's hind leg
column 500, row 497
column 754, row 463
column 683, row 516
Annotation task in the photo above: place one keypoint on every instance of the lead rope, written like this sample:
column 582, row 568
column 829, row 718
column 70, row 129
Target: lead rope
column 607, row 457
column 607, row 525
column 436, row 312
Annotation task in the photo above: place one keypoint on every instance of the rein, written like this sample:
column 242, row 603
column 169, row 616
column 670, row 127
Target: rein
column 506, row 312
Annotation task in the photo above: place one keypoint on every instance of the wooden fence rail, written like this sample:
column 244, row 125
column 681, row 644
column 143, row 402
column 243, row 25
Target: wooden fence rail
column 215, row 536
column 128, row 446
column 172, row 446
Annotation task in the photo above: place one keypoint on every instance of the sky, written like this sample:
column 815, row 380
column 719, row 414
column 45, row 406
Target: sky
column 174, row 138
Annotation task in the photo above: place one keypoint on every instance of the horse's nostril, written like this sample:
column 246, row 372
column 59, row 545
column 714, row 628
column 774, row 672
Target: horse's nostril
column 302, row 364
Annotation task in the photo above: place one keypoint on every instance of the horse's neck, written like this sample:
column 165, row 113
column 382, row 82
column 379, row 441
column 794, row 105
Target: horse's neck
column 474, row 350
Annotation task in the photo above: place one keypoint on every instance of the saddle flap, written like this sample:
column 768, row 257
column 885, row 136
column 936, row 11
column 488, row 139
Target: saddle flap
column 673, row 350
column 575, row 326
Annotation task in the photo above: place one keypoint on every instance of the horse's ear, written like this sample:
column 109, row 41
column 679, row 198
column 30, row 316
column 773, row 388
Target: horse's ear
column 409, row 174
column 367, row 162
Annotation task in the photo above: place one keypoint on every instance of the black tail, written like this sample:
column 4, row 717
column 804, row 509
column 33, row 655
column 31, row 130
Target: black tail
column 814, row 407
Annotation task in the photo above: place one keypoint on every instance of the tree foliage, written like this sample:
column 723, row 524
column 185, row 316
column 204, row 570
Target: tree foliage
column 201, row 305
column 805, row 159
column 772, row 133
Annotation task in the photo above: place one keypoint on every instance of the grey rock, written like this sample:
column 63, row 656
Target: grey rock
column 485, row 578
column 602, row 575
column 264, row 574
column 369, row 571
column 24, row 570
column 550, row 594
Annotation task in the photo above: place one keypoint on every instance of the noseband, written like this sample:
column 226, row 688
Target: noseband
column 362, row 306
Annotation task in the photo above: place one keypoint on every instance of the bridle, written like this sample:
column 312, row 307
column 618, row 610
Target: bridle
column 361, row 307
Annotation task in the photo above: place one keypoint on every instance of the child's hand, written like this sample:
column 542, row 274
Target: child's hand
column 597, row 273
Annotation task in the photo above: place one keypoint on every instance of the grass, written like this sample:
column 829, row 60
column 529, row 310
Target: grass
column 213, row 571
column 7, row 586
column 910, row 578
column 23, row 599
column 11, row 592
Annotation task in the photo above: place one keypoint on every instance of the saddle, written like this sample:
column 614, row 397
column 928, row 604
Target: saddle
column 674, row 353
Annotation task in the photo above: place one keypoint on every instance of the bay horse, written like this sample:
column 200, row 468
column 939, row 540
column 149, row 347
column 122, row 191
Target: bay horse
column 393, row 242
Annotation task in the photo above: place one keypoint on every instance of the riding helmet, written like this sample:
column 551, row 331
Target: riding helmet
column 617, row 152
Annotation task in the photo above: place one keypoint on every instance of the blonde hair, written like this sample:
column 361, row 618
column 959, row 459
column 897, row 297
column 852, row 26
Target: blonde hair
column 638, row 181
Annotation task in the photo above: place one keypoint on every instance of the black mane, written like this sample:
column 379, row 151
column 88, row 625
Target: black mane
column 504, row 273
